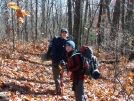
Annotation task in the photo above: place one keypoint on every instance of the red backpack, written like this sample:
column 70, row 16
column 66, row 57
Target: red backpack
column 90, row 63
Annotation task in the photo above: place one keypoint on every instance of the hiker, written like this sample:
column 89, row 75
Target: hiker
column 58, row 54
column 74, row 65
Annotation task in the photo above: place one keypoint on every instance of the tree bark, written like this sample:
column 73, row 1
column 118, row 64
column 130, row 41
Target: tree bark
column 129, row 14
column 122, row 18
column 108, row 12
column 43, row 17
column 77, row 22
column 115, row 21
column 36, row 29
column 70, row 16
column 85, row 23
column 26, row 32
column 32, row 34
column 100, row 13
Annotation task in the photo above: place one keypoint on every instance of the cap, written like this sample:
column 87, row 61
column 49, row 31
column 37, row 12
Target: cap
column 70, row 43
column 64, row 30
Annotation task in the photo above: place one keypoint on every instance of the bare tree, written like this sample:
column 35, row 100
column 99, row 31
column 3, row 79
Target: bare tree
column 31, row 20
column 26, row 30
column 129, row 14
column 123, row 13
column 100, row 13
column 115, row 21
column 108, row 12
column 77, row 22
column 70, row 16
column 36, row 24
column 85, row 22
column 43, row 17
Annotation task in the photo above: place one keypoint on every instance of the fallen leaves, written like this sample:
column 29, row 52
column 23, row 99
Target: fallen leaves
column 24, row 77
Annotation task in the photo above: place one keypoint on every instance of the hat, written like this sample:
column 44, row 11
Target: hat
column 64, row 30
column 71, row 43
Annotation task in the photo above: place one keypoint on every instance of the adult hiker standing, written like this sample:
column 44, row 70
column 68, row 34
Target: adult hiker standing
column 58, row 54
column 74, row 65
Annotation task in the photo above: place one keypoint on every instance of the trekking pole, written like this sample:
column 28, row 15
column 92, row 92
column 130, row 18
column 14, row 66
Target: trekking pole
column 61, row 79
column 61, row 83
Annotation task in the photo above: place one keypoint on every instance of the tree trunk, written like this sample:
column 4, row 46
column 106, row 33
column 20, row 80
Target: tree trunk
column 84, row 34
column 13, row 30
column 100, row 13
column 32, row 21
column 129, row 14
column 43, row 17
column 70, row 16
column 108, row 12
column 36, row 29
column 26, row 32
column 115, row 21
column 122, row 18
column 18, row 30
column 77, row 22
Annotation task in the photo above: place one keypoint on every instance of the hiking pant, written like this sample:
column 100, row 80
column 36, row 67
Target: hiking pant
column 56, row 76
column 79, row 90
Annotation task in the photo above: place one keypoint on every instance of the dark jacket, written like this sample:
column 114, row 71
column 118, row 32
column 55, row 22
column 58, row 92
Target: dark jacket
column 74, row 65
column 58, row 50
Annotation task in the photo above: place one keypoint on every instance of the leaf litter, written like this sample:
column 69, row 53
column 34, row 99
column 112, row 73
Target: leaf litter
column 24, row 77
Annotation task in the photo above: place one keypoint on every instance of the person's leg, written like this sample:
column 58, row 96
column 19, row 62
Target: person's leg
column 79, row 91
column 56, row 75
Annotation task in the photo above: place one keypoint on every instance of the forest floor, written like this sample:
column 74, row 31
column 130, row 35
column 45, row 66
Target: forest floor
column 24, row 77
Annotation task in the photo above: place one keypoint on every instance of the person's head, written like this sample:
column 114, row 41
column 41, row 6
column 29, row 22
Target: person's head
column 64, row 33
column 70, row 45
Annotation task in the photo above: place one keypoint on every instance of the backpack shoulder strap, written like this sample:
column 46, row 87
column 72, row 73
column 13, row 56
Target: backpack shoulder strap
column 76, row 54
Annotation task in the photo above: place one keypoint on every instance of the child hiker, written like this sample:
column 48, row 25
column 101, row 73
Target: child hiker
column 74, row 65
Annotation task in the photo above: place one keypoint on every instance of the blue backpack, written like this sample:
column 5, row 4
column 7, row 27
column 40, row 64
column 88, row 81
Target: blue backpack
column 48, row 56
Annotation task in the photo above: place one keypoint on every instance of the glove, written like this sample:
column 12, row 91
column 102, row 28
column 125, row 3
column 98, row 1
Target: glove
column 62, row 63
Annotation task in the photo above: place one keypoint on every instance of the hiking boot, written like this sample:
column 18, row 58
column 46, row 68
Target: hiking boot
column 57, row 93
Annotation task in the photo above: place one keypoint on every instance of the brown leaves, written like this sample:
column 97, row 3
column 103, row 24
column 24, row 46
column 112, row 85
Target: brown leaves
column 24, row 77
column 19, row 12
column 13, row 5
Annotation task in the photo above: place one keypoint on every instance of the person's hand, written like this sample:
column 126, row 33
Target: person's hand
column 62, row 63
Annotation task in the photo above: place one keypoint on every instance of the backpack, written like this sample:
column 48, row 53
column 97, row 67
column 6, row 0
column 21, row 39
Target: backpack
column 48, row 56
column 89, row 62
column 49, row 52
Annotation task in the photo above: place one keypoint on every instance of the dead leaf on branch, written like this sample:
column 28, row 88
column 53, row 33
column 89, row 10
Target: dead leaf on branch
column 131, row 74
column 13, row 5
column 19, row 12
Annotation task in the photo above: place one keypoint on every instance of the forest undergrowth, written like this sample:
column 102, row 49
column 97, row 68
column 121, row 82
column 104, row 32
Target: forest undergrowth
column 24, row 77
